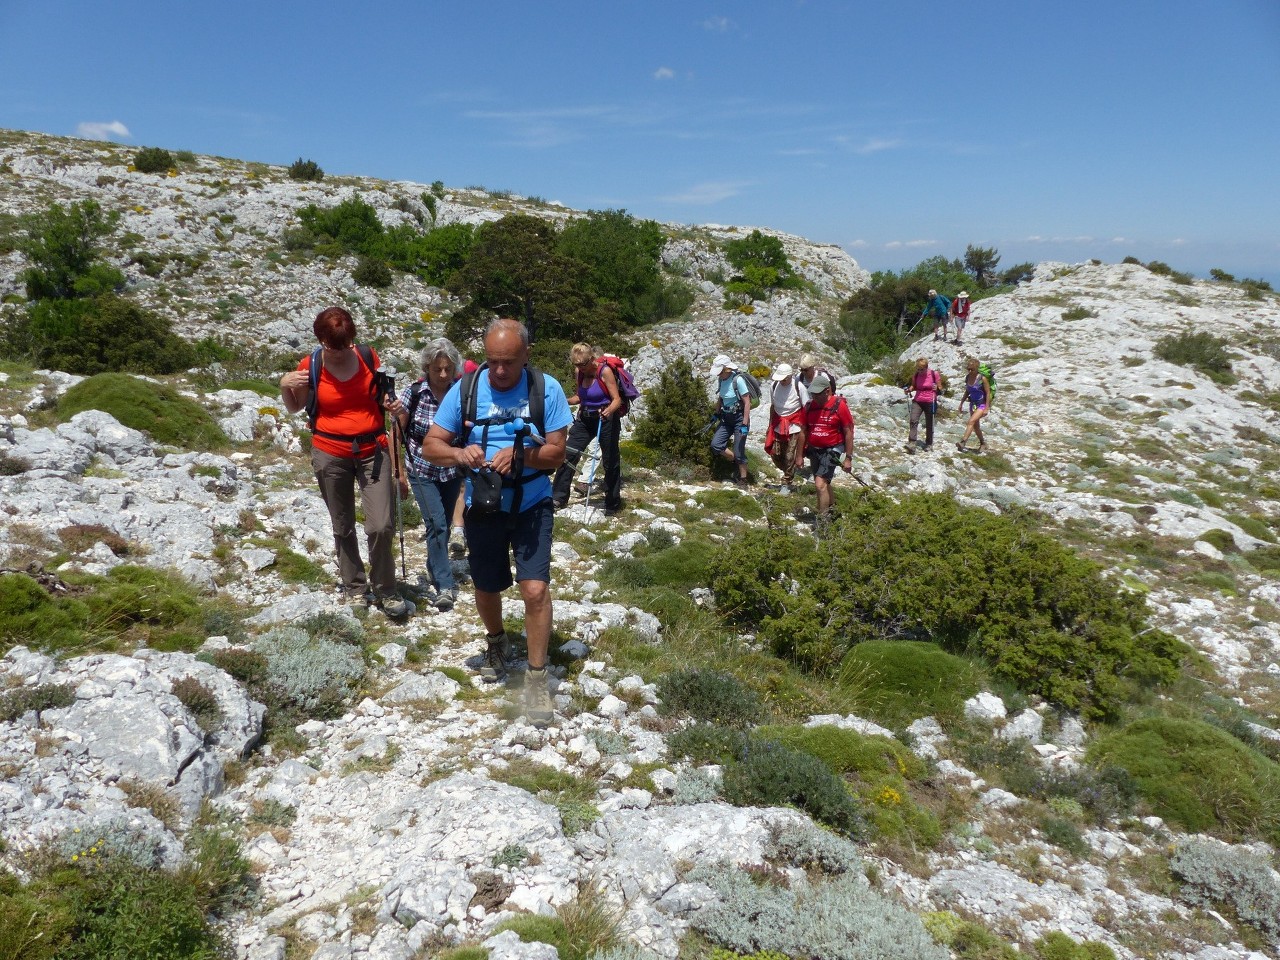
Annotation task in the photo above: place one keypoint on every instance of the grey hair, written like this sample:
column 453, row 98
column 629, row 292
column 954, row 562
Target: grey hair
column 508, row 323
column 441, row 347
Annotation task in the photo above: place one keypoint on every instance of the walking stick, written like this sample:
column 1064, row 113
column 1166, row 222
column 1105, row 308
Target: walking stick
column 397, row 477
column 591, row 477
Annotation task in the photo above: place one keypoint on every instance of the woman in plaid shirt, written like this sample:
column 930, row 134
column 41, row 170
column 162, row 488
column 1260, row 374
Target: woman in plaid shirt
column 435, row 488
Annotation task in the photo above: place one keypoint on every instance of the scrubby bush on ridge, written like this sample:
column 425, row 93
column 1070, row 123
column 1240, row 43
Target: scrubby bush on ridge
column 926, row 568
column 1200, row 350
column 1212, row 875
column 305, row 170
column 156, row 410
column 153, row 160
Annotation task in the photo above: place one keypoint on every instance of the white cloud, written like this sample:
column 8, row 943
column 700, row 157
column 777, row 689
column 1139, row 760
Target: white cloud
column 800, row 152
column 664, row 73
column 921, row 243
column 115, row 130
column 716, row 24
column 875, row 146
column 857, row 244
column 712, row 191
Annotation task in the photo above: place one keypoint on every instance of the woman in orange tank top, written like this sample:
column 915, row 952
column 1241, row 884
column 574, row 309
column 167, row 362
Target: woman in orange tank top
column 349, row 450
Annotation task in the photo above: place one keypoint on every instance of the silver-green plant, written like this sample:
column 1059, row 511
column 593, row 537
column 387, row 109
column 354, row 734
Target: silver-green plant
column 305, row 669
column 1213, row 873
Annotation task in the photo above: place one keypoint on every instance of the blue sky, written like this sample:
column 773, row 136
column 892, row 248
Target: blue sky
column 899, row 129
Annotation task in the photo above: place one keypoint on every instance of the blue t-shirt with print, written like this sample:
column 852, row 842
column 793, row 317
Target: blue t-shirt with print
column 506, row 404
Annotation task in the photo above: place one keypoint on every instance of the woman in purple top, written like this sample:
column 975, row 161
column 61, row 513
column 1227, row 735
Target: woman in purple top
column 598, row 401
column 977, row 391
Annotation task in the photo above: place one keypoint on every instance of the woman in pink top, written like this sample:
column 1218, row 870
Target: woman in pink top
column 923, row 391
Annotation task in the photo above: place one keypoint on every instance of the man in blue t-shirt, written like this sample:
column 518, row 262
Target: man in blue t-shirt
column 493, row 539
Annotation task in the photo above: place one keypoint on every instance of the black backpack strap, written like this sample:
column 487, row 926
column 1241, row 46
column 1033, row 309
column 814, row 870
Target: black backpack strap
column 467, row 405
column 313, row 373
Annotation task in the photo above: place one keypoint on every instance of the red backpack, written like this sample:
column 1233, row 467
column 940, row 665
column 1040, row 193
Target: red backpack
column 626, row 385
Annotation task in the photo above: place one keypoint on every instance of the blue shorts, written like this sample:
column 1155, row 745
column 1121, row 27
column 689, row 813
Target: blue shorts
column 491, row 544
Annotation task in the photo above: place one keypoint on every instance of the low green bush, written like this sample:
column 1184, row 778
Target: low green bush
column 1213, row 875
column 153, row 160
column 925, row 568
column 47, row 696
column 156, row 410
column 876, row 769
column 676, row 411
column 1056, row 945
column 897, row 681
column 307, row 171
column 1196, row 776
column 709, row 695
column 704, row 743
column 372, row 272
column 770, row 774
column 96, row 334
column 967, row 939
column 836, row 919
column 87, row 901
column 131, row 605
column 1199, row 350
column 684, row 565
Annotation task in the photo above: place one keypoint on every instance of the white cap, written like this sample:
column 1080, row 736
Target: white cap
column 782, row 371
column 719, row 363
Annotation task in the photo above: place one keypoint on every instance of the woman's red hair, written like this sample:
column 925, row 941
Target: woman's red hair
column 335, row 328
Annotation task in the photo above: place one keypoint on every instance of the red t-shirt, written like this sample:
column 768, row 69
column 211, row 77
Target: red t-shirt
column 824, row 426
column 348, row 408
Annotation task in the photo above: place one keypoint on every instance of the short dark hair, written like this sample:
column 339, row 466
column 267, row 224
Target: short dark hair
column 335, row 328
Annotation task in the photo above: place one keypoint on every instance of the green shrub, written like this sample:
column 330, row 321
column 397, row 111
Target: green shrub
column 676, row 410
column 1058, row 946
column 897, row 681
column 311, row 673
column 100, row 334
column 62, row 245
column 1160, row 268
column 29, row 616
column 695, row 786
column 837, row 919
column 1105, row 793
column 1213, row 875
column 1044, row 618
column 200, row 701
column 1199, row 350
column 305, row 170
column 709, row 695
column 1196, row 776
column 1077, row 313
column 1063, row 833
column 156, row 410
column 153, row 160
column 704, row 743
column 371, row 272
column 1221, row 276
column 47, row 696
column 770, row 774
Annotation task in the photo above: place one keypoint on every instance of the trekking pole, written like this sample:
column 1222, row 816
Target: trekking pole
column 397, row 477
column 591, row 477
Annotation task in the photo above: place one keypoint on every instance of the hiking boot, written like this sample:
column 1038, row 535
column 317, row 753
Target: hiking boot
column 445, row 599
column 355, row 596
column 612, row 510
column 537, row 698
column 495, row 659
column 982, row 447
column 927, row 448
column 961, row 447
column 457, row 543
column 393, row 607
column 911, row 446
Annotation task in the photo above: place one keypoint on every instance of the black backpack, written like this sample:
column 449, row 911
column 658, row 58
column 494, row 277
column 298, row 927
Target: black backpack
column 537, row 416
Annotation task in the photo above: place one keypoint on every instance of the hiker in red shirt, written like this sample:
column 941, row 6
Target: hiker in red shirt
column 829, row 431
column 960, row 314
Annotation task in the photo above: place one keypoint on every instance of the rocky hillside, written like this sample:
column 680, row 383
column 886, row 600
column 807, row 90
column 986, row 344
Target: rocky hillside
column 410, row 813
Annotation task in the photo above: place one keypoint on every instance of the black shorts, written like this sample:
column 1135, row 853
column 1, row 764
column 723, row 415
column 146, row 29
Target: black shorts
column 824, row 460
column 491, row 545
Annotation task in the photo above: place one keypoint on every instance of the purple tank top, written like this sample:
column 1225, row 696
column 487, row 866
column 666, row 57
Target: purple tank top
column 593, row 395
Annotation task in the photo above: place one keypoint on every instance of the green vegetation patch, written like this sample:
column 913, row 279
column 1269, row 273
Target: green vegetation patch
column 1199, row 350
column 927, row 569
column 156, row 410
column 897, row 681
column 1197, row 776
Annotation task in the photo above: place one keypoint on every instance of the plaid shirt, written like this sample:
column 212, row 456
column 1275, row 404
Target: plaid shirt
column 423, row 417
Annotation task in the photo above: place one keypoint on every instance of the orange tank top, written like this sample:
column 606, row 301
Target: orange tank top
column 347, row 408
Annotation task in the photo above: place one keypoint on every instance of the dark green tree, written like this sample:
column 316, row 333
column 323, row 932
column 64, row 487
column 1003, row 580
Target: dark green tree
column 62, row 245
column 676, row 410
column 96, row 335
column 352, row 224
column 982, row 263
column 622, row 258
column 305, row 170
column 514, row 270
column 153, row 160
column 762, row 265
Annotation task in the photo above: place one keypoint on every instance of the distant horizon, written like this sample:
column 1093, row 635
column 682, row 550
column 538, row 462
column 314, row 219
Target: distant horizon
column 897, row 132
